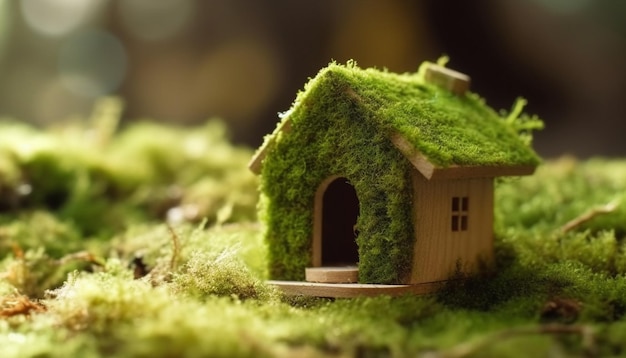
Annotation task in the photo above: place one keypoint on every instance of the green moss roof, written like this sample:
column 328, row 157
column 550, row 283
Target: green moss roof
column 447, row 129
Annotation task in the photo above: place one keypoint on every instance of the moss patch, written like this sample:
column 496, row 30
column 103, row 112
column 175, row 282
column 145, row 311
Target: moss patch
column 82, row 172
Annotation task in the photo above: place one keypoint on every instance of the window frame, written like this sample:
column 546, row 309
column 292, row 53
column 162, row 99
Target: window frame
column 459, row 214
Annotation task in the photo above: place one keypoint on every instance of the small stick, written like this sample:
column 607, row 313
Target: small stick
column 176, row 250
column 81, row 256
column 17, row 251
column 19, row 305
column 600, row 210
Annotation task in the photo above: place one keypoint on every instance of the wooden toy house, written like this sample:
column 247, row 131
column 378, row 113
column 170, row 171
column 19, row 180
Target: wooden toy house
column 389, row 178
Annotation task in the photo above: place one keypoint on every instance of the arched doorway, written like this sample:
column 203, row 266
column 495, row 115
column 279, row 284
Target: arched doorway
column 339, row 213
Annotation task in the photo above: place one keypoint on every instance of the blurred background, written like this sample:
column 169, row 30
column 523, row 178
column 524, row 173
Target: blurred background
column 185, row 61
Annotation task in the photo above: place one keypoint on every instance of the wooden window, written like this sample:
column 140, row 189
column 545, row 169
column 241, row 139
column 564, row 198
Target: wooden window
column 460, row 210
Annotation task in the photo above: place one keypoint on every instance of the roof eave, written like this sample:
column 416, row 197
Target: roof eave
column 432, row 172
column 466, row 172
column 256, row 163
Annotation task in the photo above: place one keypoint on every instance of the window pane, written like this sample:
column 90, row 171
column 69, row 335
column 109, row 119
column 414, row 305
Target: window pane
column 455, row 204
column 465, row 204
column 464, row 223
column 455, row 223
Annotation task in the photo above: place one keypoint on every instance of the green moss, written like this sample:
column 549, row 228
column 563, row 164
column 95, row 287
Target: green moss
column 152, row 168
column 203, row 293
column 341, row 125
column 446, row 128
column 291, row 177
column 219, row 275
column 562, row 191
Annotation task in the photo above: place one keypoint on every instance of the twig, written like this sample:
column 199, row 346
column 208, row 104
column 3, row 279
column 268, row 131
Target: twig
column 176, row 249
column 19, row 305
column 161, row 272
column 81, row 256
column 600, row 210
column 17, row 251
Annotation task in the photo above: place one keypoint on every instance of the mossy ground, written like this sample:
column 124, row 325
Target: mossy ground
column 90, row 266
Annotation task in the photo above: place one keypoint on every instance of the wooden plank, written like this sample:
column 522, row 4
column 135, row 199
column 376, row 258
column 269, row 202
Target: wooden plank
column 439, row 250
column 460, row 172
column 347, row 274
column 352, row 290
column 419, row 161
column 317, row 219
column 256, row 163
column 431, row 171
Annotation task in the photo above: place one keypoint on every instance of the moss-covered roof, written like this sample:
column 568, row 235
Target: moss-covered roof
column 447, row 130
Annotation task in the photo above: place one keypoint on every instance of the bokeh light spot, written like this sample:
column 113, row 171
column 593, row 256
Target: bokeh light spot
column 92, row 63
column 154, row 20
column 58, row 17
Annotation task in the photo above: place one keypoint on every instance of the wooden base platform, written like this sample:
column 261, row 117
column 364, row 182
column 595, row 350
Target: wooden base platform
column 352, row 290
column 345, row 274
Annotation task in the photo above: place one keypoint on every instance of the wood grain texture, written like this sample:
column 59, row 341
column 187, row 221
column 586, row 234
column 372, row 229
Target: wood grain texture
column 347, row 274
column 317, row 220
column 419, row 161
column 459, row 172
column 352, row 290
column 439, row 251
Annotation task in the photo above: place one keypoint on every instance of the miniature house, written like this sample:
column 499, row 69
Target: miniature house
column 390, row 174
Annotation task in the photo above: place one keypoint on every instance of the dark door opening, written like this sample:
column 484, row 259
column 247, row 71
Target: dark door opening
column 340, row 210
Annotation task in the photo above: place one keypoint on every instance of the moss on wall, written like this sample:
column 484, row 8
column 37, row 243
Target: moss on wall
column 341, row 124
column 292, row 174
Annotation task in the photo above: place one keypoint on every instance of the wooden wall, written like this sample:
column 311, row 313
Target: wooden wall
column 438, row 248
